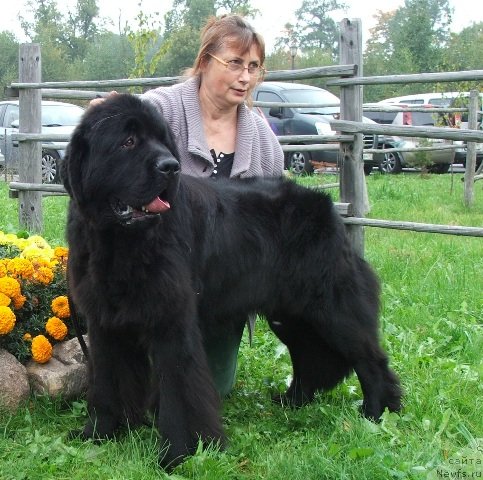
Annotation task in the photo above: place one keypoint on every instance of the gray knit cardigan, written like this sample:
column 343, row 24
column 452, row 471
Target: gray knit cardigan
column 257, row 150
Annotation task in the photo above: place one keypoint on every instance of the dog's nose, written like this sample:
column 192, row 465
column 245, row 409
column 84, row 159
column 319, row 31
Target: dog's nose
column 168, row 166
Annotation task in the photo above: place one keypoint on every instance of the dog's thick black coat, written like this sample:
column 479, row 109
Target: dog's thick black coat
column 160, row 262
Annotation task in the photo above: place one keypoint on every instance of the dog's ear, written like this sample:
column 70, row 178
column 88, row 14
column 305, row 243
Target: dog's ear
column 72, row 167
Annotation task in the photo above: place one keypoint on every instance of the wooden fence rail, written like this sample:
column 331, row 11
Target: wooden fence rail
column 349, row 142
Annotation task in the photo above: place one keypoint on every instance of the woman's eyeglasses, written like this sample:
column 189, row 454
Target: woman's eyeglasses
column 237, row 66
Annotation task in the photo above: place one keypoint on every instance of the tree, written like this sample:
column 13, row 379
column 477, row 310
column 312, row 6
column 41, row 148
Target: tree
column 110, row 56
column 420, row 32
column 241, row 7
column 81, row 28
column 315, row 29
column 411, row 39
column 464, row 49
column 8, row 59
column 47, row 20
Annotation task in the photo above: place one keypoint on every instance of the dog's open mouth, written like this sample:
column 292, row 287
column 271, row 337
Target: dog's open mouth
column 128, row 213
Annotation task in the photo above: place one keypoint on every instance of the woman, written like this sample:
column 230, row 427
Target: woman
column 218, row 135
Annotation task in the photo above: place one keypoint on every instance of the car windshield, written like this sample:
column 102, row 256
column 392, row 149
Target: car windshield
column 315, row 97
column 61, row 115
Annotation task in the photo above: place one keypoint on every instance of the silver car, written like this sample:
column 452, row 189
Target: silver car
column 56, row 117
column 394, row 162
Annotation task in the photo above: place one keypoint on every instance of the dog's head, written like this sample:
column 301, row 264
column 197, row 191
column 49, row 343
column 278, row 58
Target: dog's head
column 121, row 163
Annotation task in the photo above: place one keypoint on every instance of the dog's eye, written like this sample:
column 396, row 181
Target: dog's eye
column 129, row 143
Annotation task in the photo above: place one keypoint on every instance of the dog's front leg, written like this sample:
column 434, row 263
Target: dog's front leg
column 119, row 375
column 189, row 406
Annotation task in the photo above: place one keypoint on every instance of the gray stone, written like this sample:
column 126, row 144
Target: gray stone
column 14, row 385
column 64, row 374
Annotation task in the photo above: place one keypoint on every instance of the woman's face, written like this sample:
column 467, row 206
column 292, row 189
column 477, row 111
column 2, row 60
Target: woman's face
column 225, row 77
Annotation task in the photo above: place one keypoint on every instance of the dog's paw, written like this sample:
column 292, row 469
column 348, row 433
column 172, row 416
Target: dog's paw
column 294, row 397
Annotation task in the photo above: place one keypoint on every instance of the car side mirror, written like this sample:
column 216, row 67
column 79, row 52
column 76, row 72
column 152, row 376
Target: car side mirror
column 276, row 112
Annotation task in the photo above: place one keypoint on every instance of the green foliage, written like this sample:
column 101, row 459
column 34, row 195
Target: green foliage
column 413, row 38
column 422, row 159
column 314, row 28
column 8, row 60
column 464, row 49
column 110, row 56
column 145, row 44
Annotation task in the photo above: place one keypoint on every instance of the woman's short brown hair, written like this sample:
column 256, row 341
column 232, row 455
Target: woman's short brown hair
column 229, row 30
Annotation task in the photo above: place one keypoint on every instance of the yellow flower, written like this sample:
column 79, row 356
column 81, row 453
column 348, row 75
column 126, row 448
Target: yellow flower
column 41, row 349
column 60, row 306
column 4, row 300
column 20, row 267
column 3, row 267
column 9, row 286
column 27, row 337
column 19, row 301
column 56, row 328
column 38, row 241
column 7, row 320
column 35, row 253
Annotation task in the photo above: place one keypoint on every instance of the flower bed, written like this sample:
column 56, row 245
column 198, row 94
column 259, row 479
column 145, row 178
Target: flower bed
column 34, row 311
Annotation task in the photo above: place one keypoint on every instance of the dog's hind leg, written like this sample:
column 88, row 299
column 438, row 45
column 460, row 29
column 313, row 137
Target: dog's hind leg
column 316, row 366
column 356, row 340
column 379, row 384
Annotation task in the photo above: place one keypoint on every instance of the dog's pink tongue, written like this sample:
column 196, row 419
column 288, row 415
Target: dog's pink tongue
column 157, row 206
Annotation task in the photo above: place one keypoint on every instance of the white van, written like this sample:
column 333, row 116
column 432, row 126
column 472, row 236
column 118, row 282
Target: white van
column 436, row 98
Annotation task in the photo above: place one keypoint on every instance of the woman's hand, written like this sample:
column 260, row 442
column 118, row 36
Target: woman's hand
column 99, row 99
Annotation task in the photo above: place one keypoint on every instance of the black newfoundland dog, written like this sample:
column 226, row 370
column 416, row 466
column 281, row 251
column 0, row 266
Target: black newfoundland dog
column 159, row 261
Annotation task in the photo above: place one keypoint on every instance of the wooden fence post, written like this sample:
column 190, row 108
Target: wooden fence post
column 473, row 106
column 30, row 153
column 352, row 181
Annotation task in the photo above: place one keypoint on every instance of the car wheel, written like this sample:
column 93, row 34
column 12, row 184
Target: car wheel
column 367, row 169
column 50, row 166
column 299, row 163
column 439, row 168
column 391, row 163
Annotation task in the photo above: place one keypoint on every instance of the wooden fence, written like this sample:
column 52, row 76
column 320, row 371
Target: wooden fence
column 347, row 76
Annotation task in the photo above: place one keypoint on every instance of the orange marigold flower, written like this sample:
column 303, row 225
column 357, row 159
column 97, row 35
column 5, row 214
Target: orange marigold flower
column 19, row 301
column 44, row 275
column 4, row 300
column 56, row 328
column 9, row 286
column 27, row 337
column 7, row 320
column 41, row 349
column 60, row 306
column 20, row 267
column 3, row 267
column 61, row 253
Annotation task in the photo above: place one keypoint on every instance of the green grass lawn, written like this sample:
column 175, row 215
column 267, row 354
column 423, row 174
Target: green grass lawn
column 431, row 326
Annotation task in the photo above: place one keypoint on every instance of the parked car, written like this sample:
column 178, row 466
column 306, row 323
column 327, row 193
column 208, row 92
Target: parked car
column 303, row 120
column 394, row 162
column 460, row 120
column 56, row 117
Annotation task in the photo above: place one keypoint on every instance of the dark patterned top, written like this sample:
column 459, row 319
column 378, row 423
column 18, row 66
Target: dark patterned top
column 223, row 164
